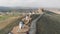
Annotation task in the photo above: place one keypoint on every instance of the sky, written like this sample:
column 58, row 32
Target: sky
column 30, row 3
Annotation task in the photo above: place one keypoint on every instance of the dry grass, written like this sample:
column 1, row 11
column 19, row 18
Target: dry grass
column 7, row 21
column 8, row 24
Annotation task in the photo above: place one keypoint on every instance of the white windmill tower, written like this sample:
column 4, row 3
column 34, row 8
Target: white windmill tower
column 21, row 24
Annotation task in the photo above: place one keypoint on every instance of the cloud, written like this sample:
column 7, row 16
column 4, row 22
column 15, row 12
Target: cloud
column 30, row 3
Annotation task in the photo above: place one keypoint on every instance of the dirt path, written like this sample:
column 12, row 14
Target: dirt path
column 22, row 31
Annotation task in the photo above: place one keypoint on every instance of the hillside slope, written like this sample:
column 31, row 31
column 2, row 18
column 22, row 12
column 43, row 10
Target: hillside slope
column 49, row 24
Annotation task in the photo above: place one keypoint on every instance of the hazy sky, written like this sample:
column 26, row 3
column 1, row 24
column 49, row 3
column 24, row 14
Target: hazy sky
column 30, row 3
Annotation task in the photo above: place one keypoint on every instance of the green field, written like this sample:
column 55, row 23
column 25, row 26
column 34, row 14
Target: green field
column 3, row 17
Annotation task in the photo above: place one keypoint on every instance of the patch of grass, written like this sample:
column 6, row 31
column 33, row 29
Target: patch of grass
column 3, row 17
